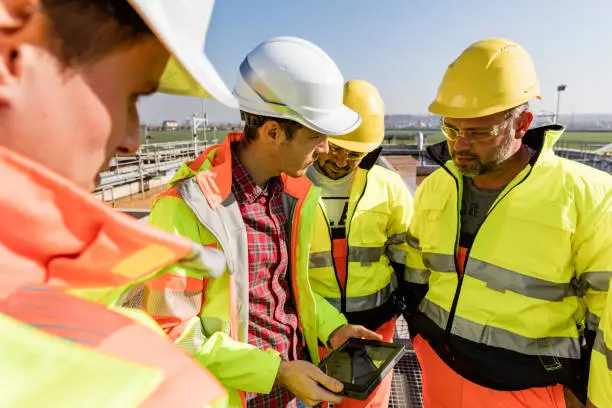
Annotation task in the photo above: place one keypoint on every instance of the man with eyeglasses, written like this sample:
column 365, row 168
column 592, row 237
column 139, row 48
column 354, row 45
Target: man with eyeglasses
column 359, row 240
column 512, row 243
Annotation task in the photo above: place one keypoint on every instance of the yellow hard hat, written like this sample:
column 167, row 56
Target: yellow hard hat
column 490, row 76
column 363, row 98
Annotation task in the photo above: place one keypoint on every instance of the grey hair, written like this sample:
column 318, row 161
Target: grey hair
column 514, row 113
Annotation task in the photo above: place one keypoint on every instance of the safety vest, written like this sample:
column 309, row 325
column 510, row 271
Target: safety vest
column 537, row 272
column 354, row 274
column 211, row 318
column 600, row 377
column 58, row 246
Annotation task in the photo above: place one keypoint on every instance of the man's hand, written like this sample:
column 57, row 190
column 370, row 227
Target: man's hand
column 308, row 383
column 343, row 333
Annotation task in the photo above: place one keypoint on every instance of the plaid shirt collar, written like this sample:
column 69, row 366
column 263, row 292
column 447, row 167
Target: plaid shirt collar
column 243, row 184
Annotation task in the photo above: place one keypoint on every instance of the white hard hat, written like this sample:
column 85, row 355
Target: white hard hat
column 181, row 25
column 291, row 78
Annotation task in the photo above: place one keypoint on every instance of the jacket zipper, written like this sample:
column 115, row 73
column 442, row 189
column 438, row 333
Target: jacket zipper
column 349, row 220
column 451, row 316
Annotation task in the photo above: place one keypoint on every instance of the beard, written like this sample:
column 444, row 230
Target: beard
column 484, row 165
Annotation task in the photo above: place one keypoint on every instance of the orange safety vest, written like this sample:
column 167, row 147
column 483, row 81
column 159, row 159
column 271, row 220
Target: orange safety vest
column 58, row 246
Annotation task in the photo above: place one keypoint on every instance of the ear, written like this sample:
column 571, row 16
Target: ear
column 272, row 131
column 14, row 17
column 524, row 121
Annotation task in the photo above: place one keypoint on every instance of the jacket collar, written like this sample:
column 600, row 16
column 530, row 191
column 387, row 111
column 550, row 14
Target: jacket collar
column 216, row 181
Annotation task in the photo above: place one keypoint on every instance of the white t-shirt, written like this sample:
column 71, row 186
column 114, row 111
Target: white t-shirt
column 335, row 196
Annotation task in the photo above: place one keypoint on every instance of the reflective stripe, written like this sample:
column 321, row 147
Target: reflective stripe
column 364, row 255
column 600, row 346
column 396, row 239
column 596, row 280
column 564, row 347
column 501, row 279
column 412, row 241
column 415, row 275
column 367, row 302
column 396, row 255
column 439, row 262
column 320, row 260
column 591, row 321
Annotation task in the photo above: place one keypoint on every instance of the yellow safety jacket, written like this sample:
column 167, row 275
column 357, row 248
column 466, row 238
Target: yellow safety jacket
column 356, row 274
column 536, row 273
column 600, row 377
column 209, row 318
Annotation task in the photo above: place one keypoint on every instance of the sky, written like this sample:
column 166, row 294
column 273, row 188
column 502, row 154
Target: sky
column 404, row 46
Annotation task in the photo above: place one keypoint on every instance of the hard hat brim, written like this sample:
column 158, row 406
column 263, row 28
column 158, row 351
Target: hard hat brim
column 338, row 122
column 359, row 147
column 189, row 72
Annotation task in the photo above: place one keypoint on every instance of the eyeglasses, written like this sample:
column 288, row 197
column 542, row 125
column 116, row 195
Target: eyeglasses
column 473, row 135
column 352, row 156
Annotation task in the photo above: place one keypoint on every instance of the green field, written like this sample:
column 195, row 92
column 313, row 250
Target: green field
column 570, row 139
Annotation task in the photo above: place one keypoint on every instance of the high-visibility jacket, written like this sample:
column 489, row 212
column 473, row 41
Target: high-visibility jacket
column 600, row 377
column 209, row 317
column 59, row 246
column 536, row 274
column 355, row 274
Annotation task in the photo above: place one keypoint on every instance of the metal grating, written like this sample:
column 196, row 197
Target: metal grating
column 407, row 383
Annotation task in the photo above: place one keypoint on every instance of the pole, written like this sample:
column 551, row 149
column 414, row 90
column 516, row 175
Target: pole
column 558, row 103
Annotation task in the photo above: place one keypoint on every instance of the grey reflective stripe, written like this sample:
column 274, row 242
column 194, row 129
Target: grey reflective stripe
column 596, row 280
column 501, row 280
column 591, row 321
column 600, row 346
column 365, row 255
column 367, row 302
column 396, row 255
column 320, row 259
column 564, row 347
column 414, row 275
column 396, row 239
column 439, row 262
column 412, row 241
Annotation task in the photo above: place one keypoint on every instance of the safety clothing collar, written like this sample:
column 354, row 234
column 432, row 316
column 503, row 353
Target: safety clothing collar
column 55, row 232
column 539, row 140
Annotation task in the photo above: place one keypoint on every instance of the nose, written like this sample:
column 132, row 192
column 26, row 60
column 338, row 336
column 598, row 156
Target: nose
column 131, row 139
column 341, row 159
column 462, row 143
column 323, row 147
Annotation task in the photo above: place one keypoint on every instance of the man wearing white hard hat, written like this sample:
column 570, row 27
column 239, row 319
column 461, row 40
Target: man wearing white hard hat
column 71, row 73
column 257, row 326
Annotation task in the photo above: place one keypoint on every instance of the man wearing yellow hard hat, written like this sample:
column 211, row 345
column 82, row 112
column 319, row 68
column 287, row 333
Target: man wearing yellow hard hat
column 359, row 240
column 513, row 241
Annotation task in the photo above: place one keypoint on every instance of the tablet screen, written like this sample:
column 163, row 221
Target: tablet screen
column 358, row 363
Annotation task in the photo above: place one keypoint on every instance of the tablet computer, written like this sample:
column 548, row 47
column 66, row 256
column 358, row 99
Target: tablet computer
column 361, row 365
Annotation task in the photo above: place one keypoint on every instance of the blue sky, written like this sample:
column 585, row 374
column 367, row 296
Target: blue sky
column 404, row 46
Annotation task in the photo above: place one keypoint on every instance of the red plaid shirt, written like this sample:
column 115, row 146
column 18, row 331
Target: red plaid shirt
column 273, row 321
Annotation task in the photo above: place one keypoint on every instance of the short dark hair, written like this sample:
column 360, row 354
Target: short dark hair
column 253, row 122
column 87, row 30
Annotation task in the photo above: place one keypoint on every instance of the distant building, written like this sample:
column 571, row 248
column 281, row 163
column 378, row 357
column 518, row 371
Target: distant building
column 170, row 125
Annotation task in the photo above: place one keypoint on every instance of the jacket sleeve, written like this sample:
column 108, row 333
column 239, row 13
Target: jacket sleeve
column 600, row 376
column 328, row 319
column 593, row 257
column 401, row 214
column 174, row 300
column 416, row 274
